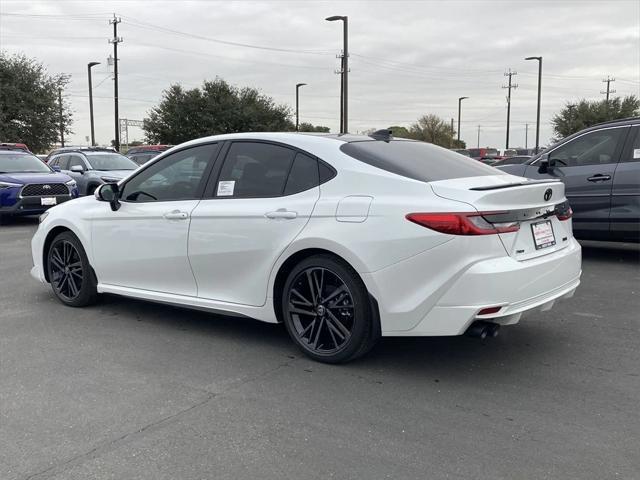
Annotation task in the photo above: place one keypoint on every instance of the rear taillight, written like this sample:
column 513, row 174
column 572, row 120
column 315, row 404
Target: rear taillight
column 564, row 214
column 462, row 223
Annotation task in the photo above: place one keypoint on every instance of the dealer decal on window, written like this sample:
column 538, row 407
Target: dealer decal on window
column 225, row 188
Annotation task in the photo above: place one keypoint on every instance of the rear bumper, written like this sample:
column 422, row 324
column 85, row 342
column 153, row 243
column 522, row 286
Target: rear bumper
column 447, row 303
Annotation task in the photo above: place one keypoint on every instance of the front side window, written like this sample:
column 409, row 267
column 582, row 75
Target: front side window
column 75, row 160
column 61, row 161
column 593, row 148
column 179, row 176
column 254, row 169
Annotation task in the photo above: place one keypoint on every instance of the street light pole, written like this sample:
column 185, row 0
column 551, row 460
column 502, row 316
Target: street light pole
column 539, row 59
column 298, row 85
column 93, row 135
column 344, row 74
column 459, row 109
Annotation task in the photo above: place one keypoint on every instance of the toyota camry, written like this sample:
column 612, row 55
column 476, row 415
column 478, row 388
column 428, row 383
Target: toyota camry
column 342, row 238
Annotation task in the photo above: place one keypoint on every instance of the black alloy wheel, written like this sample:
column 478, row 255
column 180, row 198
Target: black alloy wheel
column 70, row 274
column 327, row 310
column 67, row 274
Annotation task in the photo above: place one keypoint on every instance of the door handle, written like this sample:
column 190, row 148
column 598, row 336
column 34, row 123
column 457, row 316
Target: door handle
column 599, row 178
column 281, row 213
column 176, row 215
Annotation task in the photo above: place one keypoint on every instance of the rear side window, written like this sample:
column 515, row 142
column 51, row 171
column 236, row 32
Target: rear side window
column 418, row 160
column 303, row 176
column 253, row 169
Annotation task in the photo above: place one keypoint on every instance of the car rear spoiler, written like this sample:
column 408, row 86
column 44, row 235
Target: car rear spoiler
column 515, row 184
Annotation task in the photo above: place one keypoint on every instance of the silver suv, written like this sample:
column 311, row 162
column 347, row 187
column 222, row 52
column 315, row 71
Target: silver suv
column 92, row 167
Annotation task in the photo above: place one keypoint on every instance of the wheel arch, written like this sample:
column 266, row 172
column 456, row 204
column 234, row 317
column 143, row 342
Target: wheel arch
column 296, row 257
column 51, row 235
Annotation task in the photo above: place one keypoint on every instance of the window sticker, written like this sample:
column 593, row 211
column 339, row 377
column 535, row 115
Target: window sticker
column 636, row 153
column 225, row 188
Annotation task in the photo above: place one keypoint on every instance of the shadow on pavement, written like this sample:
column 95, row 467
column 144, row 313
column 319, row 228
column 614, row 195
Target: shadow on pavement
column 610, row 251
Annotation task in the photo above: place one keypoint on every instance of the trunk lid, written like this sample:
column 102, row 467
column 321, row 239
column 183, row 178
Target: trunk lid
column 532, row 203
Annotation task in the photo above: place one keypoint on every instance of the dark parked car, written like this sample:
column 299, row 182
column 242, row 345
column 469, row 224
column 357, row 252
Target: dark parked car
column 514, row 160
column 143, row 153
column 92, row 166
column 600, row 167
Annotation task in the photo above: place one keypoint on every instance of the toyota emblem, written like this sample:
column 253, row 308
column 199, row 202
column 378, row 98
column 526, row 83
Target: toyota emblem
column 547, row 194
column 48, row 187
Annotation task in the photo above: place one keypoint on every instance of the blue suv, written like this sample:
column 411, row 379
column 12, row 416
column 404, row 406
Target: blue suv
column 28, row 186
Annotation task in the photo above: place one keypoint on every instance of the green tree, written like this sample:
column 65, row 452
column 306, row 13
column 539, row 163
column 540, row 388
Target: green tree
column 308, row 127
column 433, row 129
column 575, row 117
column 217, row 107
column 29, row 109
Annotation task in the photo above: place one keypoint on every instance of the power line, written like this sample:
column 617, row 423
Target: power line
column 141, row 24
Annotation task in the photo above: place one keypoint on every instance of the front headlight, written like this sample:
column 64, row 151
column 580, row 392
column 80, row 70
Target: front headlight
column 109, row 179
column 9, row 185
column 71, row 183
column 42, row 217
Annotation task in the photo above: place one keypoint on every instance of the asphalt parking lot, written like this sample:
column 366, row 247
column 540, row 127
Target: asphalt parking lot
column 132, row 390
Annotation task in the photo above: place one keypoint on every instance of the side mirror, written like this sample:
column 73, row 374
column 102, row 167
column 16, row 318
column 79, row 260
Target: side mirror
column 109, row 192
column 546, row 164
column 56, row 168
column 77, row 169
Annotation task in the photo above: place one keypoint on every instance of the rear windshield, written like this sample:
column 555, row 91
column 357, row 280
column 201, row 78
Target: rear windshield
column 111, row 161
column 418, row 160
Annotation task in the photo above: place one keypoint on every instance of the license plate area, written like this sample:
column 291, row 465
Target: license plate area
column 543, row 236
column 48, row 201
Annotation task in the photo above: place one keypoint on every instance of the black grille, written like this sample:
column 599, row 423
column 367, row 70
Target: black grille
column 44, row 190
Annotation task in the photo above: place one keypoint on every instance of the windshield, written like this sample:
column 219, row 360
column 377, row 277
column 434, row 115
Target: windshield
column 110, row 161
column 418, row 160
column 21, row 163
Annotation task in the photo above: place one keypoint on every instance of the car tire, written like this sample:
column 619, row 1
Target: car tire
column 327, row 310
column 72, row 279
column 91, row 189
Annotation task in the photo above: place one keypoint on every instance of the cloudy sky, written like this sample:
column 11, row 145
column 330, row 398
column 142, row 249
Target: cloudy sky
column 408, row 58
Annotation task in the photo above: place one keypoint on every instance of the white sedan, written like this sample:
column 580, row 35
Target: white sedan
column 342, row 238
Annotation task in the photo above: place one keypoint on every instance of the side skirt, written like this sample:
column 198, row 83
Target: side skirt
column 262, row 313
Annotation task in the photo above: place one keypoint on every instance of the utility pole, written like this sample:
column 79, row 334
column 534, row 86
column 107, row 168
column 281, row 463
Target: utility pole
column 608, row 81
column 61, row 116
column 509, row 87
column 526, row 135
column 478, row 136
column 116, row 40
